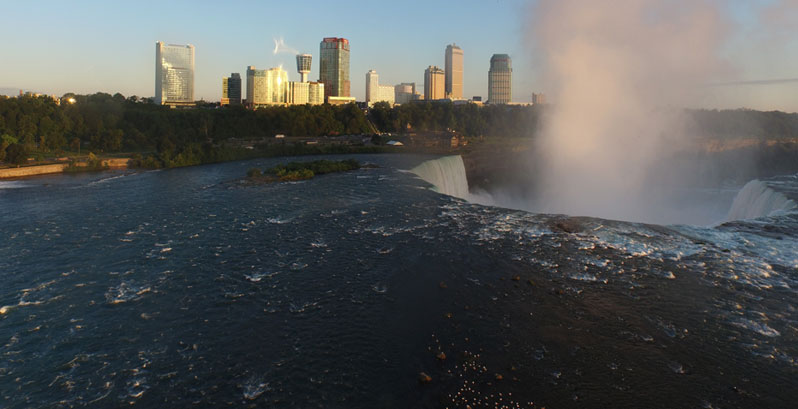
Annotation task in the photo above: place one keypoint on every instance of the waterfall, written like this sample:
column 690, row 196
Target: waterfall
column 757, row 199
column 446, row 174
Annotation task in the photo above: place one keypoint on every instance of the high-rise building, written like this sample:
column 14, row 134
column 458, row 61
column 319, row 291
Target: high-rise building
column 500, row 79
column 538, row 99
column 454, row 72
column 231, row 89
column 372, row 87
column 434, row 83
column 334, row 66
column 303, row 64
column 376, row 92
column 266, row 87
column 174, row 74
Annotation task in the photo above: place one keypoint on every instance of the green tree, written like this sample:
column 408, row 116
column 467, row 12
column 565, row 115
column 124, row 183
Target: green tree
column 27, row 131
column 17, row 153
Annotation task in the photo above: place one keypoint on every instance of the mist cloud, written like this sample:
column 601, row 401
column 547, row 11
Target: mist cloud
column 618, row 75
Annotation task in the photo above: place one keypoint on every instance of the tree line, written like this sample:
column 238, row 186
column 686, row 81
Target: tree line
column 104, row 123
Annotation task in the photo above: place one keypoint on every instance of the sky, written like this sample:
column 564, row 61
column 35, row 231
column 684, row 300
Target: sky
column 55, row 47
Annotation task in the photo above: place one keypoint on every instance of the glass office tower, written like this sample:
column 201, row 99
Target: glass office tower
column 500, row 79
column 231, row 89
column 174, row 74
column 334, row 66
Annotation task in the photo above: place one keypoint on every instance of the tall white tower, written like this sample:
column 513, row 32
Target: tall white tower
column 454, row 72
column 372, row 86
column 303, row 66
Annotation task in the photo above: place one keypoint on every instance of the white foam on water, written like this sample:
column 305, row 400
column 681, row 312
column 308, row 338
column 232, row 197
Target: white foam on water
column 14, row 184
column 106, row 179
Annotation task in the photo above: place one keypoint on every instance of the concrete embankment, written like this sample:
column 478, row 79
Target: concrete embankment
column 10, row 173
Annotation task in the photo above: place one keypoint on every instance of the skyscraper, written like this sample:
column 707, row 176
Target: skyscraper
column 231, row 89
column 266, row 87
column 174, row 74
column 303, row 64
column 500, row 79
column 334, row 66
column 372, row 86
column 434, row 83
column 454, row 72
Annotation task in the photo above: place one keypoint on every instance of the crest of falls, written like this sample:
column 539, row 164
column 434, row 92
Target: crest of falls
column 446, row 174
column 757, row 199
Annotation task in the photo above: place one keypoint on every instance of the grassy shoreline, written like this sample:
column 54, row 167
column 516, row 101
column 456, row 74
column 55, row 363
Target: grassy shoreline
column 294, row 171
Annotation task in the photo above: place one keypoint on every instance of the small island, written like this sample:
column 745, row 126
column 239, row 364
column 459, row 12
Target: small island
column 294, row 171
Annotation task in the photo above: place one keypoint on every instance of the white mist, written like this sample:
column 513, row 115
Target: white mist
column 618, row 75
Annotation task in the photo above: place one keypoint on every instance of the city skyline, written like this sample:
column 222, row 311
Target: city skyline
column 124, row 33
column 220, row 52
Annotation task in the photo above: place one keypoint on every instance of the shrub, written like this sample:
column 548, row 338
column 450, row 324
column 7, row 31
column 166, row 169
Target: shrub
column 16, row 153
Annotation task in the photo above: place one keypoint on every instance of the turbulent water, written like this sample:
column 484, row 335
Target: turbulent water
column 187, row 287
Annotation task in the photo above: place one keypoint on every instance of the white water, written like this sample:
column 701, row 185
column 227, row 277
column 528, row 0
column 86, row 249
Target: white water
column 757, row 199
column 448, row 176
column 12, row 185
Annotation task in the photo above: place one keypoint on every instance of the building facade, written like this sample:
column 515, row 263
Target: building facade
column 306, row 93
column 300, row 91
column 231, row 89
column 316, row 93
column 454, row 72
column 174, row 74
column 385, row 93
column 500, row 79
column 376, row 92
column 334, row 66
column 405, row 92
column 434, row 87
column 266, row 87
column 538, row 98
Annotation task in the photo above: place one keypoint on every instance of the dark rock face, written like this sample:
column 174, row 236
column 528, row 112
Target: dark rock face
column 507, row 168
column 513, row 169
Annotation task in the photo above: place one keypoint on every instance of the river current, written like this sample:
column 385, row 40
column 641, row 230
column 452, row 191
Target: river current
column 189, row 288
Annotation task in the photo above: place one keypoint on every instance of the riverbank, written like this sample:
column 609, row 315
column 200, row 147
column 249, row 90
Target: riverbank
column 36, row 170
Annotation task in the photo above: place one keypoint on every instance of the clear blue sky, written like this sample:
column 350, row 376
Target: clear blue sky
column 86, row 46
